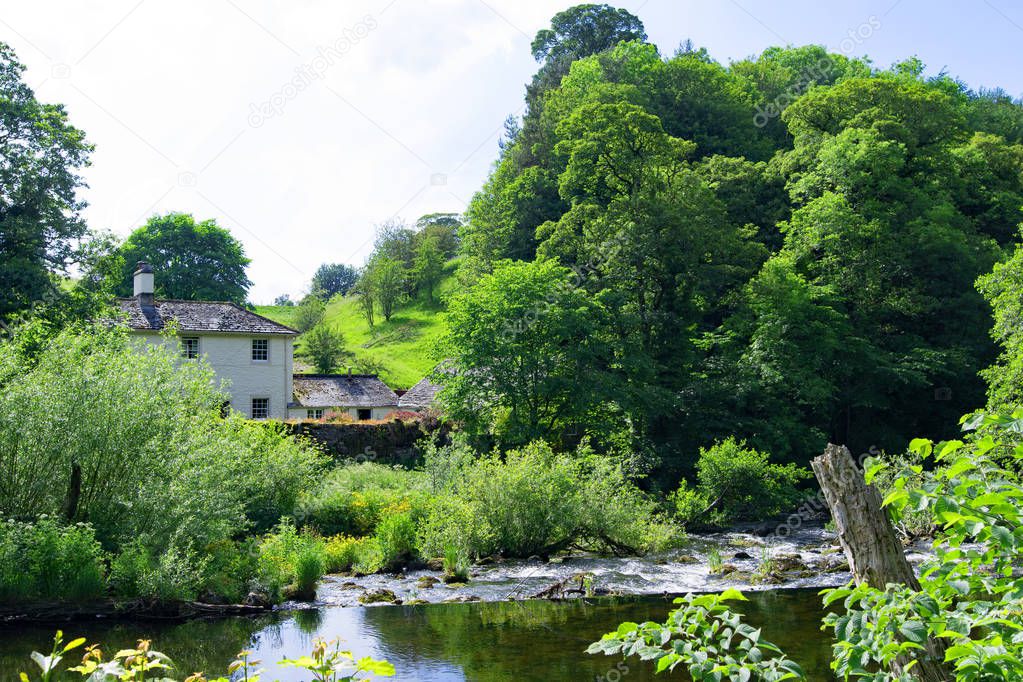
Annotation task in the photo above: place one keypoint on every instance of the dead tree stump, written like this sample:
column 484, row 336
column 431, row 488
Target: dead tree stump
column 868, row 538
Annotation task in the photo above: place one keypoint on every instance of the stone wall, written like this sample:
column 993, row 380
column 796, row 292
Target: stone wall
column 391, row 442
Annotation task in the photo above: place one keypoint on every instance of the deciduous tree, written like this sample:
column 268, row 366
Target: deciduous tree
column 198, row 261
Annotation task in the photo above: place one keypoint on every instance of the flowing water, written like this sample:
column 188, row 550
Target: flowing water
column 506, row 635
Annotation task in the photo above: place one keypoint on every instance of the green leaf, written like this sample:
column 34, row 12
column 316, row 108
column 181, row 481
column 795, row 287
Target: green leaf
column 914, row 631
column 732, row 595
column 921, row 446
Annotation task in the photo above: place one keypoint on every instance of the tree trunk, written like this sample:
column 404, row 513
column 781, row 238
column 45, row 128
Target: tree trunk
column 874, row 552
column 74, row 493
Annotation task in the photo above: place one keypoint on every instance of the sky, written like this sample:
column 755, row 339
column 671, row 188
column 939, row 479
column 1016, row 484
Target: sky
column 301, row 124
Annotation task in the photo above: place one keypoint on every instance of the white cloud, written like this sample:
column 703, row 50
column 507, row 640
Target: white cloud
column 166, row 91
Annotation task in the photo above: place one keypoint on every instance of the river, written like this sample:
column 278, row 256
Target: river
column 496, row 638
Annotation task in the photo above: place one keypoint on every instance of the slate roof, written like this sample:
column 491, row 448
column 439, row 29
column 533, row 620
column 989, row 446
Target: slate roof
column 342, row 390
column 420, row 396
column 209, row 317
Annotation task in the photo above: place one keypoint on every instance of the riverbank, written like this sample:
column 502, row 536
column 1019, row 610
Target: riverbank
column 484, row 642
column 131, row 611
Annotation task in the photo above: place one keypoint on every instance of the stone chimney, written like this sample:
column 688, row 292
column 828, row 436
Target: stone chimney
column 144, row 284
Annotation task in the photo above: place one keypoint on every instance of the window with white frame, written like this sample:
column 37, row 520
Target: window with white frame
column 260, row 350
column 260, row 408
column 314, row 414
column 190, row 347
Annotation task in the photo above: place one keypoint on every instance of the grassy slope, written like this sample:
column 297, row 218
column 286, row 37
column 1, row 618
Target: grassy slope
column 402, row 351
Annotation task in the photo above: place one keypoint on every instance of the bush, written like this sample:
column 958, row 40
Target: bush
column 616, row 516
column 309, row 313
column 274, row 467
column 396, row 536
column 369, row 557
column 280, row 555
column 537, row 502
column 352, row 499
column 177, row 574
column 912, row 523
column 161, row 462
column 308, row 571
column 128, row 570
column 456, row 565
column 736, row 483
column 452, row 523
column 530, row 503
column 230, row 570
column 47, row 560
column 340, row 553
column 689, row 504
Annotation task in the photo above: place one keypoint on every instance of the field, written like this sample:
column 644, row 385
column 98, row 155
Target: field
column 402, row 350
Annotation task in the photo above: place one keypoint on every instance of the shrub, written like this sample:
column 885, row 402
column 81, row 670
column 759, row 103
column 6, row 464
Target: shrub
column 230, row 569
column 352, row 499
column 309, row 313
column 453, row 522
column 177, row 574
column 161, row 462
column 912, row 523
column 369, row 557
column 50, row 561
column 736, row 483
column 396, row 536
column 274, row 468
column 615, row 515
column 339, row 553
column 536, row 502
column 445, row 466
column 689, row 504
column 456, row 565
column 308, row 571
column 531, row 501
column 279, row 555
column 127, row 570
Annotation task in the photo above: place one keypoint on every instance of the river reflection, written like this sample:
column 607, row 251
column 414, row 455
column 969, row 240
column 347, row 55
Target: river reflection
column 528, row 640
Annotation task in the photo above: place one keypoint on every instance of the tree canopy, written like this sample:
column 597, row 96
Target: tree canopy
column 196, row 261
column 783, row 249
column 41, row 157
column 333, row 279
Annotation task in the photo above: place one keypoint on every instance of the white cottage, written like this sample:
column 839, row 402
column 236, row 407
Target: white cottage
column 360, row 396
column 253, row 354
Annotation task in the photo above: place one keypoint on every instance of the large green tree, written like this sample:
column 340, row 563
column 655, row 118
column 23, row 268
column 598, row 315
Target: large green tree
column 877, row 230
column 523, row 349
column 196, row 261
column 584, row 30
column 41, row 156
column 783, row 248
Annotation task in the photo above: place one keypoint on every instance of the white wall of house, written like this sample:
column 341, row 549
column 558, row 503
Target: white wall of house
column 230, row 356
column 353, row 412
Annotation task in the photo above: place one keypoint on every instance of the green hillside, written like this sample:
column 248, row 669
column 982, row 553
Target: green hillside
column 402, row 350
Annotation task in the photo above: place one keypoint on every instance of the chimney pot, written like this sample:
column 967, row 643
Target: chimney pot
column 144, row 284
